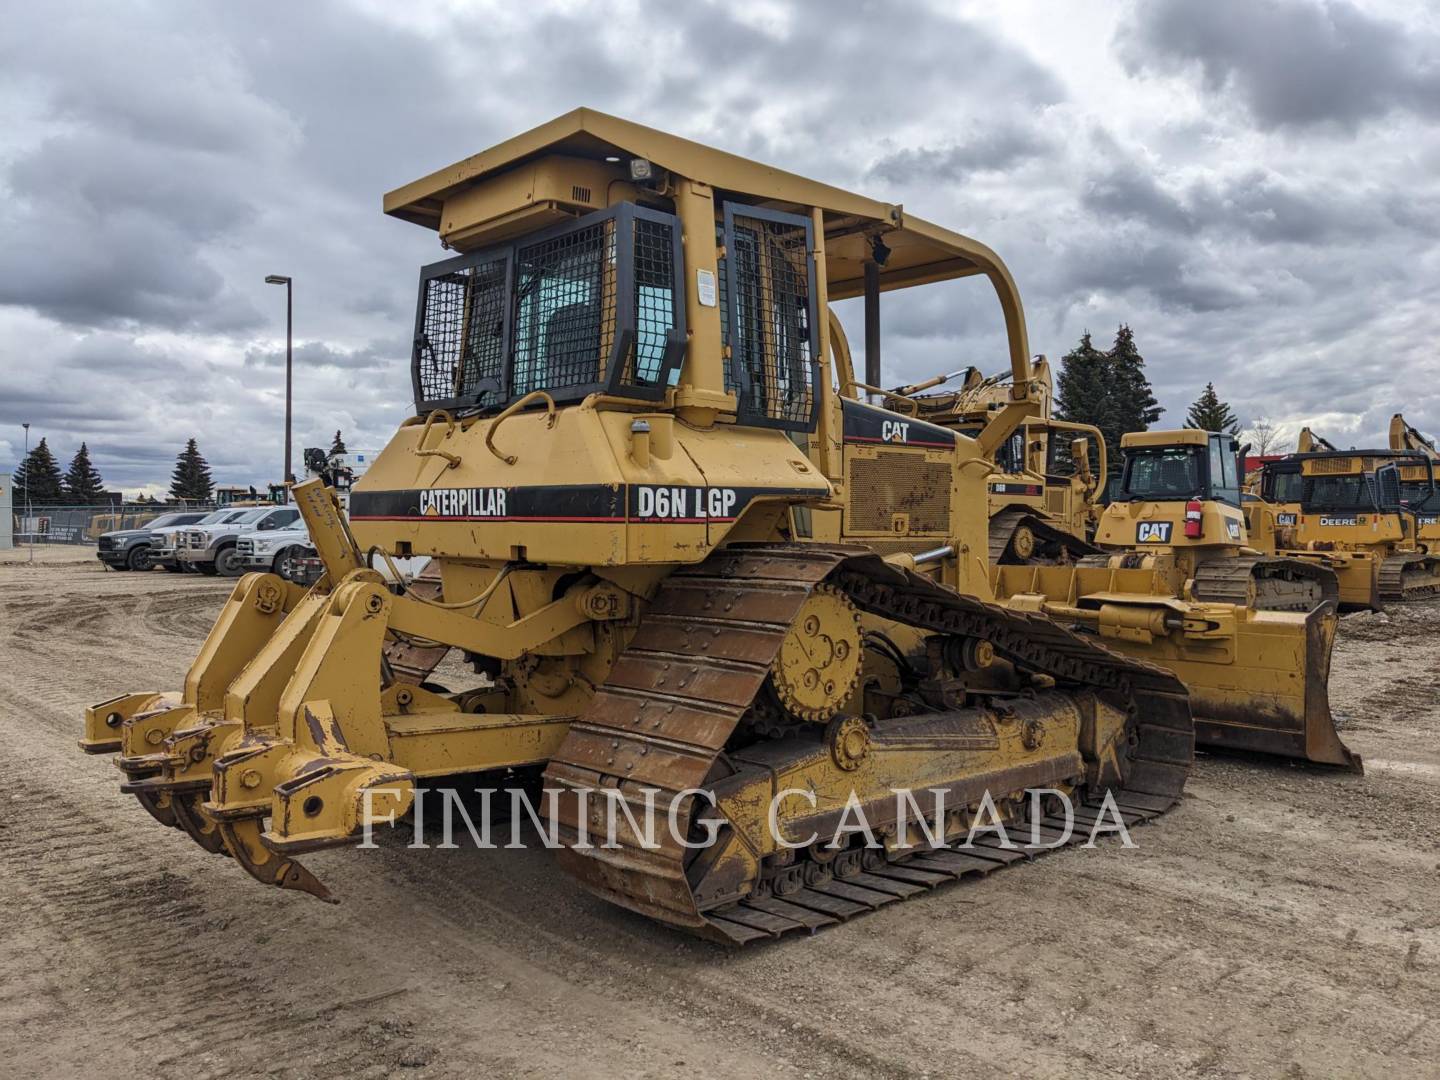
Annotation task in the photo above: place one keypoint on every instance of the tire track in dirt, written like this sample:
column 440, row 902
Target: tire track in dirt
column 1286, row 939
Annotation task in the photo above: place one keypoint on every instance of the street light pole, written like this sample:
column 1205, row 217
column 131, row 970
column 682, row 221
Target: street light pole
column 27, row 493
column 286, row 476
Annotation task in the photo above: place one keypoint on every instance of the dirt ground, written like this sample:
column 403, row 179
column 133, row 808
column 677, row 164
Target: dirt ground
column 1281, row 922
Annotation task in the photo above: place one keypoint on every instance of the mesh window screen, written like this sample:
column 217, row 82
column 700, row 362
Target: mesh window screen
column 460, row 348
column 564, row 309
column 768, row 317
column 597, row 305
column 654, row 302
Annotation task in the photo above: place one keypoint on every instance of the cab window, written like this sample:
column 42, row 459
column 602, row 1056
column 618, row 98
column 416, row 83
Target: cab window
column 1010, row 457
column 1337, row 493
column 1282, row 487
column 1223, row 483
column 1163, row 472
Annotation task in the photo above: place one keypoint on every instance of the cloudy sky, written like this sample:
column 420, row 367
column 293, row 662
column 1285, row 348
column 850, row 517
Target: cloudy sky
column 1253, row 185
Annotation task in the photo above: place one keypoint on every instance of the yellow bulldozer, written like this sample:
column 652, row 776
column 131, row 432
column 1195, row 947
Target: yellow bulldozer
column 1173, row 577
column 1048, row 473
column 701, row 582
column 1178, row 583
column 1365, row 514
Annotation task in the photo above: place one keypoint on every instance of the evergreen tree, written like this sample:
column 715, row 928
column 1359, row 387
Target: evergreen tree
column 38, row 479
column 191, row 479
column 1135, row 407
column 83, row 485
column 1107, row 389
column 1209, row 413
column 1080, row 395
column 338, row 446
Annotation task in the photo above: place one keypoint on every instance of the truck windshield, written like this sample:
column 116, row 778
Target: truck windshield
column 1163, row 472
column 215, row 517
column 249, row 517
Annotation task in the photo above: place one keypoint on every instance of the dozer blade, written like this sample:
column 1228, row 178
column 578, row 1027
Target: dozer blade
column 1275, row 698
column 1257, row 679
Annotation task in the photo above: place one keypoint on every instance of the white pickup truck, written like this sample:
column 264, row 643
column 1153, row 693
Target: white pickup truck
column 211, row 549
column 274, row 550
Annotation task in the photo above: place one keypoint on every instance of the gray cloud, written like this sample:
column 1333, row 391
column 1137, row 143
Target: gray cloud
column 160, row 160
column 1291, row 63
column 995, row 149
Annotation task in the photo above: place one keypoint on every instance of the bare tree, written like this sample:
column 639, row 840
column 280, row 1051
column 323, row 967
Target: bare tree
column 1263, row 435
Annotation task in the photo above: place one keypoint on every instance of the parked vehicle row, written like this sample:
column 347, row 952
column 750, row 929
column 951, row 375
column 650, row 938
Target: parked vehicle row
column 234, row 540
column 136, row 549
column 226, row 542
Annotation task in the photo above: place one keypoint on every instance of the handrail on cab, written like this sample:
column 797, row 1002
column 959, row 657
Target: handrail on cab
column 511, row 410
column 453, row 460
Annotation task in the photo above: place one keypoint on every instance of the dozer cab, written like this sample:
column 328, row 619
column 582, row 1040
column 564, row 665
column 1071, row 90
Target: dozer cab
column 1359, row 512
column 1179, row 507
column 1047, row 475
column 1250, row 634
column 701, row 582
column 1424, row 503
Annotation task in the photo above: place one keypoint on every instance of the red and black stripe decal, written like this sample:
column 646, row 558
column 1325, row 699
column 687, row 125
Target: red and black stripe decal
column 675, row 504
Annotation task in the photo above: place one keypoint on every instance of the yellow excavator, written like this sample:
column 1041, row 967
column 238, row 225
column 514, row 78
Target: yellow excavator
column 702, row 583
column 1048, row 473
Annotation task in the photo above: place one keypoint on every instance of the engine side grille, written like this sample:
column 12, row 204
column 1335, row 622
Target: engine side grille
column 898, row 483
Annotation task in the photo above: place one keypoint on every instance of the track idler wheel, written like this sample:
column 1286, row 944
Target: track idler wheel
column 242, row 837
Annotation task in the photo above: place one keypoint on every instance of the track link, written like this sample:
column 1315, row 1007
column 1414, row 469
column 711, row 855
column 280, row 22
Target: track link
column 1268, row 582
column 698, row 662
column 1003, row 525
column 1409, row 576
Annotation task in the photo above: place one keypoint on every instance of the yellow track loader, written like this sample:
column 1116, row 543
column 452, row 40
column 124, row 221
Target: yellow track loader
column 702, row 582
column 1362, row 513
column 1250, row 634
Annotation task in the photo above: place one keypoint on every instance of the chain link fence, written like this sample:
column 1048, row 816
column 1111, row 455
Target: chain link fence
column 84, row 524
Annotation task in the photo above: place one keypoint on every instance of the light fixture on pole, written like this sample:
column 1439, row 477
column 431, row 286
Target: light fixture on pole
column 286, row 477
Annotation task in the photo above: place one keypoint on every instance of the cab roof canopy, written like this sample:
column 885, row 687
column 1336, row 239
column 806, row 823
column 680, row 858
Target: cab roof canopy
column 919, row 251
column 1175, row 437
